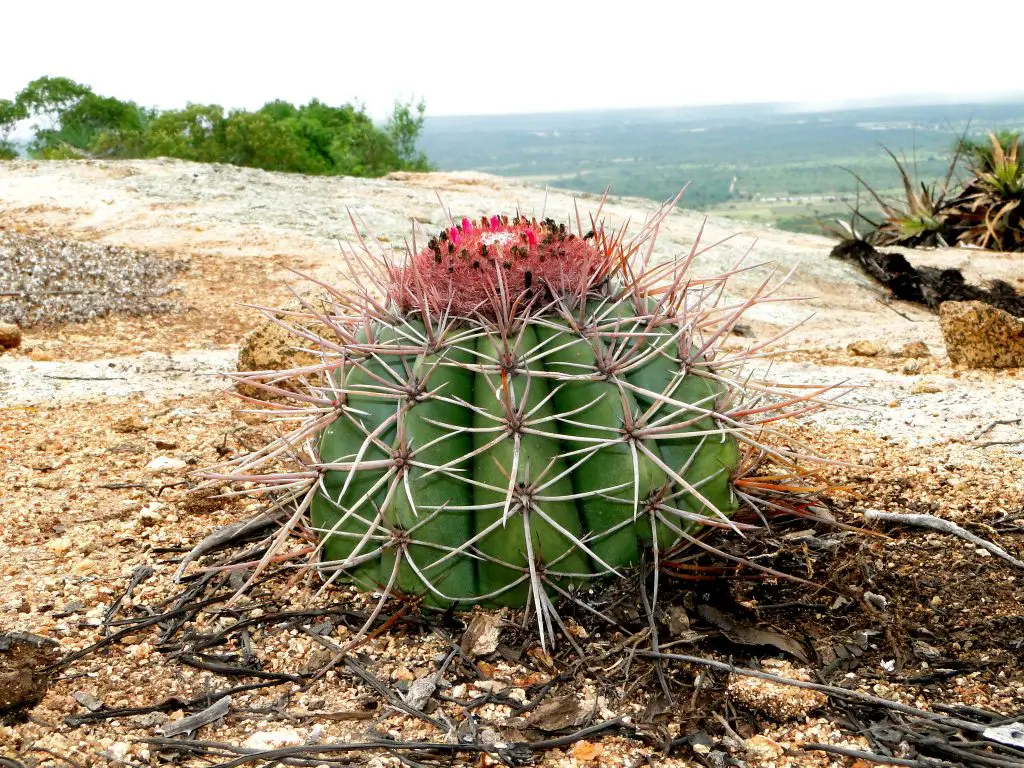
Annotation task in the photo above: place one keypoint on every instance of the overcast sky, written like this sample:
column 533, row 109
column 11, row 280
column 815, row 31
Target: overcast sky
column 530, row 56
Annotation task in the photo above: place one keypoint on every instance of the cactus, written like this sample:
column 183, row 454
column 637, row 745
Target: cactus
column 519, row 411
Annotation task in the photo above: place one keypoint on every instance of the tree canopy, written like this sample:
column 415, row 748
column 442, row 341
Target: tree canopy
column 315, row 138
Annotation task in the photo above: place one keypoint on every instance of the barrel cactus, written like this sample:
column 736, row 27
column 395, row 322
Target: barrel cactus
column 511, row 413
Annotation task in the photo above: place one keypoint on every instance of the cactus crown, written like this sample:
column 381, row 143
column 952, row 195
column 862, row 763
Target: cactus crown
column 466, row 267
column 526, row 410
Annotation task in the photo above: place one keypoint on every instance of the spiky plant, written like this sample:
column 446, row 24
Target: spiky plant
column 989, row 211
column 515, row 411
column 986, row 211
column 919, row 219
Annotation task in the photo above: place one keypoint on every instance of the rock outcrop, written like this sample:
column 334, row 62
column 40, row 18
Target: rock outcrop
column 269, row 347
column 980, row 336
column 24, row 672
column 10, row 336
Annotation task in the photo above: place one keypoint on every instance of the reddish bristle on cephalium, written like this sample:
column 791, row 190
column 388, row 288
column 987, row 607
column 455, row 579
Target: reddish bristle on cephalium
column 466, row 267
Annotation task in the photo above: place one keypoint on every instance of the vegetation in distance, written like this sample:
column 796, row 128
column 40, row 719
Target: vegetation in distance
column 767, row 164
column 984, row 211
column 74, row 122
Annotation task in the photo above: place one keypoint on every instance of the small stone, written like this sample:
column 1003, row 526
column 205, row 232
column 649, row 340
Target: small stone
column 490, row 686
column 915, row 349
column 979, row 335
column 482, row 634
column 130, row 424
column 59, row 546
column 51, row 483
column 926, row 652
column 403, row 674
column 84, row 567
column 271, row 348
column 926, row 387
column 911, row 366
column 88, row 701
column 265, row 740
column 10, row 336
column 761, row 748
column 164, row 464
column 149, row 719
column 24, row 661
column 865, row 348
column 779, row 701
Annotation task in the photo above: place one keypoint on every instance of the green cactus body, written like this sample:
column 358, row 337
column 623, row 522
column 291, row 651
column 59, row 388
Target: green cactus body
column 482, row 466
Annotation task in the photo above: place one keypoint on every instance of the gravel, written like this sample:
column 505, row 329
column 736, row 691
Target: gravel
column 46, row 281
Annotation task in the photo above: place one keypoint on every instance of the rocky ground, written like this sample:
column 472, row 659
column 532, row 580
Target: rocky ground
column 103, row 420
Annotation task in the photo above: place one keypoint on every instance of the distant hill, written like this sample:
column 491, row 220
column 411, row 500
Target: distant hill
column 770, row 163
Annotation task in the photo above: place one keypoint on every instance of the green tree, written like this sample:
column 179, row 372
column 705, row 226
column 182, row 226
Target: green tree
column 11, row 114
column 193, row 133
column 404, row 128
column 97, row 126
column 315, row 138
column 49, row 97
column 257, row 140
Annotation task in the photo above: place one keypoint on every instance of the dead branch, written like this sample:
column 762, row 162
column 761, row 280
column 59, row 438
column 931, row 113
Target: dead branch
column 943, row 526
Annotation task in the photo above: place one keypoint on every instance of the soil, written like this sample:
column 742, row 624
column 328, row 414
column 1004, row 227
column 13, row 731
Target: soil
column 104, row 424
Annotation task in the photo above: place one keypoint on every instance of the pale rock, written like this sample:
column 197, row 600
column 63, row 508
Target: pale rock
column 59, row 546
column 482, row 634
column 265, row 740
column 10, row 336
column 865, row 348
column 164, row 464
column 420, row 691
column 490, row 686
column 269, row 347
column 926, row 387
column 914, row 349
column 761, row 748
column 779, row 701
column 150, row 514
